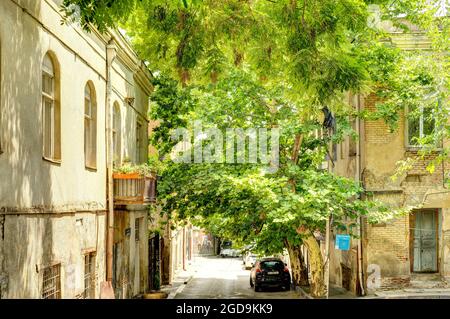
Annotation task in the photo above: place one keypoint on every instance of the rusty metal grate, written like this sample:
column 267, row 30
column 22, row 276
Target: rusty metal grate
column 89, row 276
column 51, row 283
column 137, row 230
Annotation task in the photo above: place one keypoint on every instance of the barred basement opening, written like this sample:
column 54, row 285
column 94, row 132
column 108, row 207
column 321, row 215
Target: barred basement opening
column 51, row 283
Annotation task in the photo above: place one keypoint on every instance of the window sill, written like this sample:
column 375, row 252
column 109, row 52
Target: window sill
column 52, row 160
column 410, row 148
column 90, row 168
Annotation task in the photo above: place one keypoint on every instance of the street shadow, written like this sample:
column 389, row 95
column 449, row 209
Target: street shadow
column 26, row 180
column 225, row 278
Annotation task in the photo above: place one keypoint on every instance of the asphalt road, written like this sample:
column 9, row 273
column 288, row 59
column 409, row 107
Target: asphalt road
column 217, row 278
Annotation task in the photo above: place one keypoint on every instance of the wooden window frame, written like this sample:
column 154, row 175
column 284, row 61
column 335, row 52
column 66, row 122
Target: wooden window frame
column 90, row 141
column 90, row 277
column 54, row 156
column 411, row 147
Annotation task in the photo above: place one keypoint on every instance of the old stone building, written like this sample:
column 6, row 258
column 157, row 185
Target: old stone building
column 55, row 94
column 410, row 251
column 177, row 253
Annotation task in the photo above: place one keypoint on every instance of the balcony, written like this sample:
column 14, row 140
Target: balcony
column 133, row 188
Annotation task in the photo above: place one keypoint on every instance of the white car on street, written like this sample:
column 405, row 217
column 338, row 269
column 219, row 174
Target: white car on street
column 229, row 252
column 249, row 260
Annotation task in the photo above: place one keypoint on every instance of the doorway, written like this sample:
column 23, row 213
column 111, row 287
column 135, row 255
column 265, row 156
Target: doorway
column 154, row 248
column 424, row 241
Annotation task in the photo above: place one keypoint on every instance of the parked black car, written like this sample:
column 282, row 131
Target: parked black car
column 270, row 272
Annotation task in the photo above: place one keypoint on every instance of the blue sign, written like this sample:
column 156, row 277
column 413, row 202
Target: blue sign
column 342, row 242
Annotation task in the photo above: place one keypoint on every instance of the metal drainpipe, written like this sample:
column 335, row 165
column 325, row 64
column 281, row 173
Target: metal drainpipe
column 184, row 247
column 327, row 240
column 358, row 170
column 111, row 52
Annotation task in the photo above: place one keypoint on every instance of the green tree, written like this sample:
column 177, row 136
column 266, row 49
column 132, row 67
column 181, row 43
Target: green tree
column 246, row 202
column 294, row 57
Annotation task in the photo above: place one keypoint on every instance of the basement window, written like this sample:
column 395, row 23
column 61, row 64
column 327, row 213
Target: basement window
column 413, row 179
column 51, row 283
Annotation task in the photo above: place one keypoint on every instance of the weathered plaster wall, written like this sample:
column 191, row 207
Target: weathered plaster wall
column 33, row 242
column 388, row 245
column 131, row 262
column 42, row 203
column 343, row 264
column 33, row 182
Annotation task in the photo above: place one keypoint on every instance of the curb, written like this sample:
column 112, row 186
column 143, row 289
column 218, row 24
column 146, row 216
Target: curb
column 188, row 280
column 181, row 288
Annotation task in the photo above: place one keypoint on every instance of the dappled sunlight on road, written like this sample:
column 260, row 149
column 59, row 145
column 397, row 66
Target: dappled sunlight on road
column 217, row 277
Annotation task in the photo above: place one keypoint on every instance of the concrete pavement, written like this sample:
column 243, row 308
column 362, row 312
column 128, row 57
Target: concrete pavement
column 217, row 278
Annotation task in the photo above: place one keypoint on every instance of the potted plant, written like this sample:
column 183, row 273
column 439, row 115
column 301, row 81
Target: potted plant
column 136, row 182
column 129, row 170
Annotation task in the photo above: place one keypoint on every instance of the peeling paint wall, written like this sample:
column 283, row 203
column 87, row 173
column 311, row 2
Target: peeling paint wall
column 55, row 212
column 33, row 242
column 386, row 247
column 130, row 270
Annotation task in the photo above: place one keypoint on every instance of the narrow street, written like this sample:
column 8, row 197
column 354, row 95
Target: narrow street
column 226, row 278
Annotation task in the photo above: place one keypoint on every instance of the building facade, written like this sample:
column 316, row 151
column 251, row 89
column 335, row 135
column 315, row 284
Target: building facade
column 409, row 251
column 53, row 124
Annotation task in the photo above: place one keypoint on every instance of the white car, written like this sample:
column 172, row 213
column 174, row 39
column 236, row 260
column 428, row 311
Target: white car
column 229, row 252
column 249, row 261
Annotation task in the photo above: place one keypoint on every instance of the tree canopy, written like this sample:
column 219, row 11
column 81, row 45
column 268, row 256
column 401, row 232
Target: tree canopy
column 278, row 64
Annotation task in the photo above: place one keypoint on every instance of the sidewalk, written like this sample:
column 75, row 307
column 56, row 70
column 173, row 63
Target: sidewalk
column 406, row 293
column 182, row 278
column 413, row 293
column 336, row 292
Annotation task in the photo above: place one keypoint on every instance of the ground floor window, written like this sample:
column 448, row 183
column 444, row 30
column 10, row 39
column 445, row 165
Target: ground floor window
column 89, row 275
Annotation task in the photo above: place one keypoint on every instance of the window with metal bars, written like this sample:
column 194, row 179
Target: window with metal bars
column 51, row 283
column 89, row 275
column 137, row 225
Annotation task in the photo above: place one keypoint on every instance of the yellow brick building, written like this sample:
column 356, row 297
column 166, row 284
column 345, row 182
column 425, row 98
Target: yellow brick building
column 410, row 251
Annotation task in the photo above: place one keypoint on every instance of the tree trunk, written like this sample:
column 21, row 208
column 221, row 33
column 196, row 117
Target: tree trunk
column 298, row 267
column 316, row 264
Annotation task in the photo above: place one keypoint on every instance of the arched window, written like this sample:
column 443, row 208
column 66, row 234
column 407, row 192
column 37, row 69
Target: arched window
column 116, row 134
column 90, row 126
column 51, row 110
